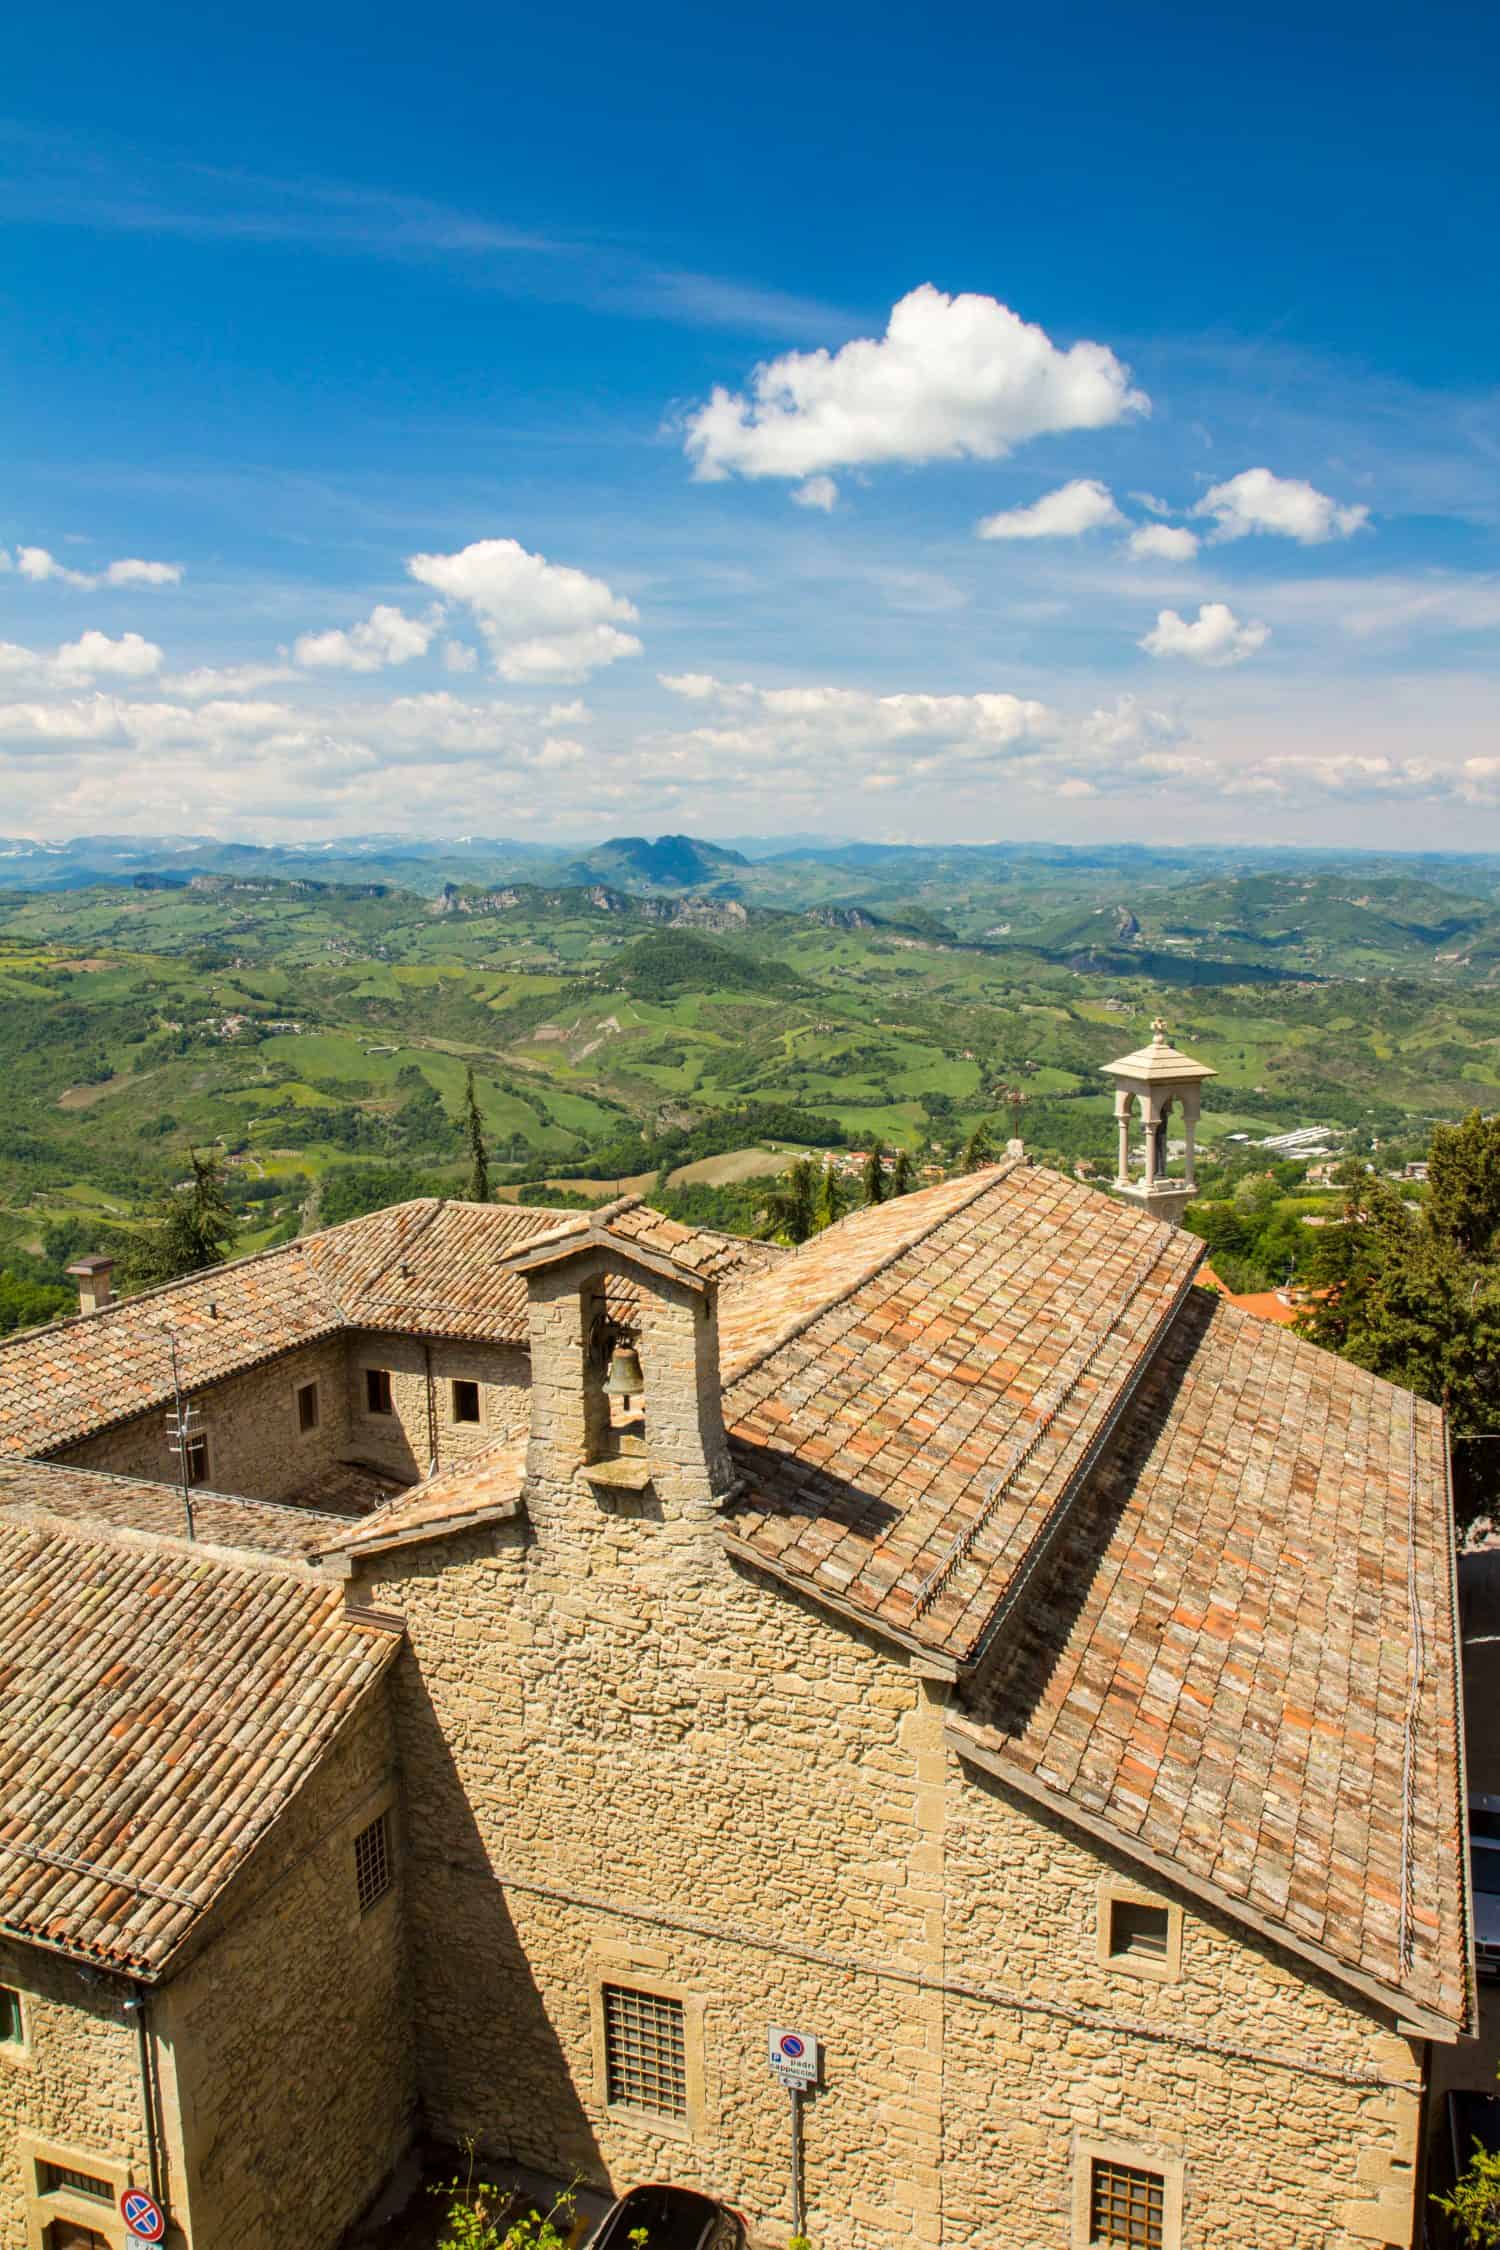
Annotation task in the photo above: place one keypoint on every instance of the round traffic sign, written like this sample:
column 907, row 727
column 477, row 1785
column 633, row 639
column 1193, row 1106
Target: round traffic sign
column 792, row 2047
column 143, row 2215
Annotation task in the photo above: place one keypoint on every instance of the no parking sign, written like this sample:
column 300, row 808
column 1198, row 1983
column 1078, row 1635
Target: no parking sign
column 143, row 2215
column 793, row 2056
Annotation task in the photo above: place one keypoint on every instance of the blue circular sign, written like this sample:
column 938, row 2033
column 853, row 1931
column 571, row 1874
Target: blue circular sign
column 143, row 2215
column 792, row 2047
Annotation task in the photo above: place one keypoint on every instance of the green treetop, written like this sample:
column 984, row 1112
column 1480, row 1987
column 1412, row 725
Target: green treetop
column 874, row 1175
column 479, row 1159
column 192, row 1227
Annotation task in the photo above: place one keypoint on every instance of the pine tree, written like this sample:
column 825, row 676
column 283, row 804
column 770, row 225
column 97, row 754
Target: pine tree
column 901, row 1173
column 479, row 1161
column 1463, row 1184
column 791, row 1207
column 830, row 1204
column 979, row 1149
column 192, row 1228
column 874, row 1175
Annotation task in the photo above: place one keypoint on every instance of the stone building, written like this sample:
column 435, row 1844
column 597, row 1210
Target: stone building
column 600, row 1641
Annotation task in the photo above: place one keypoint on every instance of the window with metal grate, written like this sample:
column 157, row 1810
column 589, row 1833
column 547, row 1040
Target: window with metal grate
column 59, row 2179
column 645, row 2050
column 372, row 1862
column 1126, row 2206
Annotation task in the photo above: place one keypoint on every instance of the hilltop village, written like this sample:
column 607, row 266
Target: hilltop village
column 470, row 1671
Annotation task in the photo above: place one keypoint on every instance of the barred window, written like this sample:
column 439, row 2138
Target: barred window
column 372, row 1862
column 54, row 2179
column 11, row 2028
column 644, row 2051
column 1126, row 2205
column 1137, row 1932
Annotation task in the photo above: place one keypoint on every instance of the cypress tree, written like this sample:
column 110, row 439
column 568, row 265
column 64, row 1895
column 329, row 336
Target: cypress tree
column 479, row 1161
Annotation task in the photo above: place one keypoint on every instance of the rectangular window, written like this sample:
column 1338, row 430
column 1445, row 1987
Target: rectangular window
column 195, row 1460
column 1126, row 2205
column 60, row 2179
column 1138, row 1932
column 67, row 2234
column 308, row 1409
column 372, row 1862
column 377, row 1390
column 645, row 2051
column 12, row 2030
column 466, row 1402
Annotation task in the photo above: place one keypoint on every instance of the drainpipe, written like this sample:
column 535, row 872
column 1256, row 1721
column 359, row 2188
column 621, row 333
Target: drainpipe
column 136, row 2004
column 432, row 1428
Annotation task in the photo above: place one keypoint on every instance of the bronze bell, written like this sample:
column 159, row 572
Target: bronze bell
column 625, row 1379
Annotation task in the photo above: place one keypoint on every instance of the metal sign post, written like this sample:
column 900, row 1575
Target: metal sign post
column 795, row 2058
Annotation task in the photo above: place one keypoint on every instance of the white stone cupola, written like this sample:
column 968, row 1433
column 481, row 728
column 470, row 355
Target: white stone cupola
column 1149, row 1086
column 600, row 1299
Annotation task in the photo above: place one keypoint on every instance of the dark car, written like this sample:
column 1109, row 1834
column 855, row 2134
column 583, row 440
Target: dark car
column 673, row 2218
column 1484, row 1863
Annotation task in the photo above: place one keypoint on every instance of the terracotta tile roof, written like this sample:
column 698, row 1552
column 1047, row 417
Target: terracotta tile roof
column 92, row 1496
column 913, row 1395
column 485, row 1487
column 1219, row 1665
column 158, row 1710
column 1283, row 1306
column 418, row 1268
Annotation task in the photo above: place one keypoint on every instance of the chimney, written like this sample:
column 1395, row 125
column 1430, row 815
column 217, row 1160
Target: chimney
column 92, row 1275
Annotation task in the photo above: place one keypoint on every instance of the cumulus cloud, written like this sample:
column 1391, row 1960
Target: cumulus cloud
column 130, row 657
column 38, row 565
column 387, row 636
column 952, row 378
column 543, row 621
column 1215, row 636
column 1083, row 505
column 1163, row 542
column 1129, row 726
column 1256, row 500
column 458, row 656
column 227, row 679
column 818, row 492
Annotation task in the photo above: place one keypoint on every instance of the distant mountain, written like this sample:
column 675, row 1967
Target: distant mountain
column 672, row 862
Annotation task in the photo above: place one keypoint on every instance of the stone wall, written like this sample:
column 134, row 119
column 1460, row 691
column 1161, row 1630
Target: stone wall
column 255, row 1445
column 71, row 2086
column 422, row 1378
column 290, row 2026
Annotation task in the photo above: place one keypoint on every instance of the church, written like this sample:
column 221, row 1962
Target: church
column 474, row 1672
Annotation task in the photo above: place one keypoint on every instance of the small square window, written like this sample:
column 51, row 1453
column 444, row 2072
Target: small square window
column 195, row 1459
column 1138, row 1932
column 378, row 1390
column 645, row 2050
column 309, row 1407
column 1126, row 2205
column 12, row 2026
column 465, row 1402
column 372, row 1862
column 62, row 2179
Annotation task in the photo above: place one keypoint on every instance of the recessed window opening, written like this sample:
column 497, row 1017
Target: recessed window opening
column 1138, row 1932
column 62, row 2179
column 67, row 2234
column 465, row 1401
column 12, row 2030
column 195, row 1460
column 645, row 2050
column 372, row 1862
column 1126, row 2205
column 378, row 1391
column 309, row 1407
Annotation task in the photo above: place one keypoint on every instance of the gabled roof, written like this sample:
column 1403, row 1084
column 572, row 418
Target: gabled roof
column 1242, row 1659
column 484, row 1489
column 424, row 1268
column 159, row 1708
column 912, row 1397
column 43, row 1490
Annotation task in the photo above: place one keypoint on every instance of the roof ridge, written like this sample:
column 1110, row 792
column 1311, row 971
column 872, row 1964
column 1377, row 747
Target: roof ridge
column 756, row 1357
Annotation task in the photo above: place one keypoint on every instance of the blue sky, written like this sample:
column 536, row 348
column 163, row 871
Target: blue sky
column 550, row 423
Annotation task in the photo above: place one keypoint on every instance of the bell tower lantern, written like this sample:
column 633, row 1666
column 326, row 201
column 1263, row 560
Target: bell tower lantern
column 1148, row 1085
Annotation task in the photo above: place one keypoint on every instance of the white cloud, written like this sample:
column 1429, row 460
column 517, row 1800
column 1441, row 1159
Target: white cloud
column 38, row 565
column 953, row 378
column 1256, row 500
column 129, row 657
column 818, row 492
column 1215, row 636
column 229, row 679
column 1129, row 726
column 387, row 636
column 1083, row 505
column 1058, row 516
column 542, row 620
column 1164, row 542
column 458, row 656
